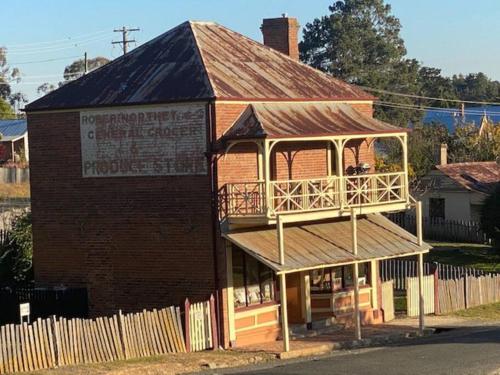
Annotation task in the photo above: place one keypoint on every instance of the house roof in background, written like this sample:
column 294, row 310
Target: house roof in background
column 198, row 61
column 327, row 243
column 12, row 129
column 278, row 120
column 474, row 176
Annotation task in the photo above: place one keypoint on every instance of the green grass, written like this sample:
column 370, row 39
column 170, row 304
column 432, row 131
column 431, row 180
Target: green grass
column 483, row 257
column 400, row 303
column 487, row 312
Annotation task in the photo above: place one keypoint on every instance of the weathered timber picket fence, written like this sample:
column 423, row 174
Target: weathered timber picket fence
column 467, row 291
column 53, row 342
column 443, row 230
column 200, row 325
column 400, row 270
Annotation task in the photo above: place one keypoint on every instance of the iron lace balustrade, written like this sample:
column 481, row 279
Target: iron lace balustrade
column 249, row 199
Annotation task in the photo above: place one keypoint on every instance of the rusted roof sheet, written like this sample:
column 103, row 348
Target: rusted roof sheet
column 475, row 176
column 167, row 68
column 309, row 246
column 198, row 61
column 277, row 120
column 241, row 68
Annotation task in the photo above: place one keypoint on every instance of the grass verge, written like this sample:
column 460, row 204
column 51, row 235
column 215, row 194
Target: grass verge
column 486, row 312
column 483, row 257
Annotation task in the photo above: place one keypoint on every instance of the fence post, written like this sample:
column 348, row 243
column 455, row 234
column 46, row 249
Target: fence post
column 436, row 288
column 187, row 306
column 57, row 341
column 466, row 304
column 123, row 341
column 213, row 321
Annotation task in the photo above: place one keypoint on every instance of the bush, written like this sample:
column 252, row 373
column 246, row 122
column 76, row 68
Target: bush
column 490, row 216
column 17, row 252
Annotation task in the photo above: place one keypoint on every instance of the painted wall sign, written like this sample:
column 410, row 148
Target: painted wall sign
column 166, row 140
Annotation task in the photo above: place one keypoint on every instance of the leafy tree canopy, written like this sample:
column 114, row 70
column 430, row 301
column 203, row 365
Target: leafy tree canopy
column 73, row 71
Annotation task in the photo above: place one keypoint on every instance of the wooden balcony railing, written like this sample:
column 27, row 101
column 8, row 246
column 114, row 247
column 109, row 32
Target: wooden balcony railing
column 295, row 196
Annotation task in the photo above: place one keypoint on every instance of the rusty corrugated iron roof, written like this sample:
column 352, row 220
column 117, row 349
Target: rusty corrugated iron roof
column 309, row 246
column 198, row 61
column 475, row 176
column 277, row 120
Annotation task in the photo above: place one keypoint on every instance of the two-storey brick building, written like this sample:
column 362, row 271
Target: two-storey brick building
column 202, row 162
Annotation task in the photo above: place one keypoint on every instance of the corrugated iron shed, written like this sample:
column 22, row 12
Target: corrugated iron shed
column 327, row 243
column 12, row 129
column 277, row 120
column 198, row 61
column 476, row 176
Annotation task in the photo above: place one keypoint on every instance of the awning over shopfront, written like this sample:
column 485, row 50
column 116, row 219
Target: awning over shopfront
column 324, row 244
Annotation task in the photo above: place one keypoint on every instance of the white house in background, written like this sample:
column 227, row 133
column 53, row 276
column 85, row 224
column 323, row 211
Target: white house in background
column 456, row 191
column 14, row 140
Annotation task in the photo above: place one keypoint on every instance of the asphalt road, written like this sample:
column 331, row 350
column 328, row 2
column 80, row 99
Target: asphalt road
column 473, row 350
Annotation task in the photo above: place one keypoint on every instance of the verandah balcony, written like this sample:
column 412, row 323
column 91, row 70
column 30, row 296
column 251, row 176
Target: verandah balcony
column 320, row 197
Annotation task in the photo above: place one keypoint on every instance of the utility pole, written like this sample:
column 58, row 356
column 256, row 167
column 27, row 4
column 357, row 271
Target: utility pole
column 124, row 42
column 85, row 64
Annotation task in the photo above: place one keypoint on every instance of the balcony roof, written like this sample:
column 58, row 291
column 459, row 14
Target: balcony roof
column 325, row 244
column 288, row 120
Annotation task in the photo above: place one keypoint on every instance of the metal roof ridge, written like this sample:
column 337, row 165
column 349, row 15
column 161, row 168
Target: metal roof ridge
column 192, row 27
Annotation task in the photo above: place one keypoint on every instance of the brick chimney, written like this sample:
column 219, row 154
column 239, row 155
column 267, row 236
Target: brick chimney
column 281, row 35
column 443, row 154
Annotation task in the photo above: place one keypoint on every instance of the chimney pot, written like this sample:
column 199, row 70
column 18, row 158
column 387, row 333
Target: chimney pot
column 281, row 35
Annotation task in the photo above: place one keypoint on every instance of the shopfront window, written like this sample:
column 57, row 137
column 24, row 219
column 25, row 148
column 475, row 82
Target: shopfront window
column 328, row 280
column 253, row 282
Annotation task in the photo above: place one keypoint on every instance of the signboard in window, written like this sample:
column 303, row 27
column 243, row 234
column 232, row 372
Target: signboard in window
column 166, row 140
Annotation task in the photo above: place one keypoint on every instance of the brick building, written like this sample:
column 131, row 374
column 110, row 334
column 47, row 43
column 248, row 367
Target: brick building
column 203, row 162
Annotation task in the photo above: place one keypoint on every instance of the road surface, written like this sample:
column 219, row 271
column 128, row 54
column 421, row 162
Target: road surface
column 474, row 350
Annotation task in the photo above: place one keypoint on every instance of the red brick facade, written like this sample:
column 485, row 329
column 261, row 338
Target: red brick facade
column 140, row 242
column 134, row 242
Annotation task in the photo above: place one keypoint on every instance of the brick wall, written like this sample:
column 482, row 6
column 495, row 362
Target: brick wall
column 135, row 242
column 281, row 35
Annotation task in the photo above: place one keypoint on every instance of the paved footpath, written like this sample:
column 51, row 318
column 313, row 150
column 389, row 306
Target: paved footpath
column 464, row 350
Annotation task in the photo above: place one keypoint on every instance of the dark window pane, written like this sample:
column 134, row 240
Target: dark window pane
column 253, row 285
column 266, row 284
column 238, row 278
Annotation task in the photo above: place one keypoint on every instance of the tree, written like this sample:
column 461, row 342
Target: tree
column 73, row 71
column 77, row 68
column 9, row 75
column 359, row 42
column 490, row 216
column 433, row 84
column 16, row 255
column 6, row 111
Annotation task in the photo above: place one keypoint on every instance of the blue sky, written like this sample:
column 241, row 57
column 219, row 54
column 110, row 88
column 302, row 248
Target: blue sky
column 454, row 35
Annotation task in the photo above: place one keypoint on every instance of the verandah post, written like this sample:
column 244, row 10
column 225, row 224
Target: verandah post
column 421, row 291
column 284, row 313
column 354, row 232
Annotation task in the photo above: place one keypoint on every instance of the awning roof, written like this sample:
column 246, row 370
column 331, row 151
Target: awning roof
column 327, row 243
column 281, row 120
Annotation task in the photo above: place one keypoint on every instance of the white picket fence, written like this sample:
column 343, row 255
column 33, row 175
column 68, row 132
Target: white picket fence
column 201, row 327
column 413, row 296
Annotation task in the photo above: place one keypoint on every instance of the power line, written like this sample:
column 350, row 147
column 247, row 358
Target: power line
column 53, row 49
column 42, row 61
column 428, row 97
column 434, row 109
column 57, row 41
column 125, row 42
